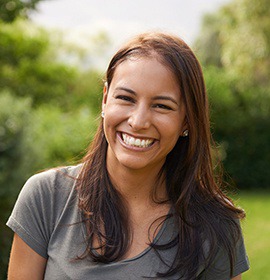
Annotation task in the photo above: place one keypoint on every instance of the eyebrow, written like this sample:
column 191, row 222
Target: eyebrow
column 126, row 89
column 162, row 97
column 159, row 97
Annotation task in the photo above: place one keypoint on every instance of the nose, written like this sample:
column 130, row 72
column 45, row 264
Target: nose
column 140, row 118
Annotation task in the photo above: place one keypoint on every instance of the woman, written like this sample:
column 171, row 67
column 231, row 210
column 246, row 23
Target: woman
column 144, row 203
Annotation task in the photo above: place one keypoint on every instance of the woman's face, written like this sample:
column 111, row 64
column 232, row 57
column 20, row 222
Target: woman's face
column 144, row 114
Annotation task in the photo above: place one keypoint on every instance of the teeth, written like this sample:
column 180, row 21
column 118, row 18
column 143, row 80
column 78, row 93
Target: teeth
column 141, row 143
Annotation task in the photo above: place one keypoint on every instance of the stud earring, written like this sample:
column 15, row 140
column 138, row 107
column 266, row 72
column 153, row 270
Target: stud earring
column 102, row 114
column 185, row 133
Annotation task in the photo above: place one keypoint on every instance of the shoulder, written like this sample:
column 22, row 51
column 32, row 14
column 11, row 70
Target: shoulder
column 52, row 180
column 48, row 191
column 40, row 205
column 226, row 247
column 55, row 175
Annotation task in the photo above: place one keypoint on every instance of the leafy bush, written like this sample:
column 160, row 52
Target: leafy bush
column 29, row 67
column 57, row 137
column 47, row 113
column 240, row 123
column 14, row 117
column 234, row 48
column 32, row 140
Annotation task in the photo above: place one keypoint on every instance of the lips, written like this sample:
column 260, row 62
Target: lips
column 136, row 142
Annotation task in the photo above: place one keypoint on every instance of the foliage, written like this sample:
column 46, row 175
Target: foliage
column 14, row 115
column 56, row 137
column 240, row 129
column 31, row 140
column 11, row 9
column 88, row 91
column 48, row 110
column 29, row 69
column 234, row 47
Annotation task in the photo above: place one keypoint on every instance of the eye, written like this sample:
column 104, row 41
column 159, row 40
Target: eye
column 162, row 106
column 125, row 98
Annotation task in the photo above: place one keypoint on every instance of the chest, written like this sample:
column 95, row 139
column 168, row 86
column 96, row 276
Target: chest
column 68, row 242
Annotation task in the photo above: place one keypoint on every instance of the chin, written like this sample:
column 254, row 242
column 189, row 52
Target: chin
column 139, row 163
column 133, row 165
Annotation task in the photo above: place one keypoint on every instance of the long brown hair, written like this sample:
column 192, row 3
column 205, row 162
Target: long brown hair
column 200, row 208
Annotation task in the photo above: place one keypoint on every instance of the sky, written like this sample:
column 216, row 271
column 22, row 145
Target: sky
column 121, row 19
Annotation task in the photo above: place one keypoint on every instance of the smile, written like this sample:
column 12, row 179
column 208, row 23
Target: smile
column 136, row 142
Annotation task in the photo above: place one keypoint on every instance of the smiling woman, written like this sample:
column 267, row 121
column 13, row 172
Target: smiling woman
column 144, row 202
column 149, row 113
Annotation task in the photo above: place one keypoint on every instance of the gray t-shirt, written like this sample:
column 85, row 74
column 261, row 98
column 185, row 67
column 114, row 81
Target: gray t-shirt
column 47, row 218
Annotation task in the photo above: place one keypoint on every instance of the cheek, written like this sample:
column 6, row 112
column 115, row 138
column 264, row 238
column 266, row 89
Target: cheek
column 115, row 114
column 172, row 127
column 111, row 122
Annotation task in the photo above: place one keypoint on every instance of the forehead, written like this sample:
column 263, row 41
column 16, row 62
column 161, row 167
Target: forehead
column 144, row 67
column 145, row 55
column 145, row 75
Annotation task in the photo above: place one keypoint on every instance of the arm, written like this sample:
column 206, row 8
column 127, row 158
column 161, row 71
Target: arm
column 238, row 277
column 24, row 262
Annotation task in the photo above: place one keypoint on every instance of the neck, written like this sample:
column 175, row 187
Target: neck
column 137, row 186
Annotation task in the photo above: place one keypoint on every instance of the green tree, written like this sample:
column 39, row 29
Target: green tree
column 29, row 68
column 12, row 9
column 237, row 38
column 234, row 47
column 48, row 111
column 14, row 115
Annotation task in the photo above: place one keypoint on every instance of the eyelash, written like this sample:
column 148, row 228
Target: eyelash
column 129, row 99
column 162, row 106
column 125, row 98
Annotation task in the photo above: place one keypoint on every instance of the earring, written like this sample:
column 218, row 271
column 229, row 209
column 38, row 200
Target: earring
column 185, row 133
column 102, row 114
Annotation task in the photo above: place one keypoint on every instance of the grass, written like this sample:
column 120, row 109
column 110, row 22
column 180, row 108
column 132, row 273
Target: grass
column 256, row 229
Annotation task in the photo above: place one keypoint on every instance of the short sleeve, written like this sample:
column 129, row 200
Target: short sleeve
column 242, row 261
column 32, row 216
column 220, row 268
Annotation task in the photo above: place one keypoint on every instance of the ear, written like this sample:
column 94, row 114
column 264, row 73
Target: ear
column 185, row 126
column 105, row 94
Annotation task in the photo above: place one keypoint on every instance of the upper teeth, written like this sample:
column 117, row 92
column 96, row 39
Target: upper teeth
column 131, row 141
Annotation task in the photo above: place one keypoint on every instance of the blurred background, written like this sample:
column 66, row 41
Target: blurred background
column 53, row 56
